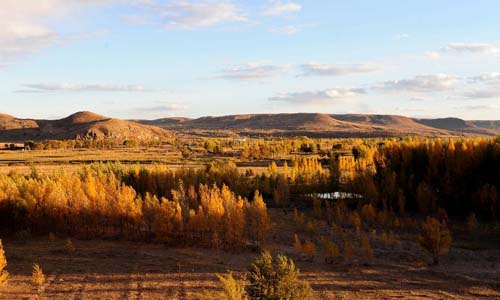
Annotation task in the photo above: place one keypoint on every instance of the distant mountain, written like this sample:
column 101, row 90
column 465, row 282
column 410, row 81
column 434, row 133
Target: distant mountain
column 310, row 124
column 332, row 125
column 91, row 125
column 462, row 126
column 81, row 124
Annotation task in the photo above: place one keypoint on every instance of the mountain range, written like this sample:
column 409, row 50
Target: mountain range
column 95, row 126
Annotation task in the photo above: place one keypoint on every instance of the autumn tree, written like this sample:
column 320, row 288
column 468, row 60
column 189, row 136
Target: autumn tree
column 435, row 238
column 276, row 280
column 3, row 263
column 37, row 276
column 330, row 251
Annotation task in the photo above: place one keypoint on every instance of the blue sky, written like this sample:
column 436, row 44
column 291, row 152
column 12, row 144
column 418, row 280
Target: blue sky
column 162, row 58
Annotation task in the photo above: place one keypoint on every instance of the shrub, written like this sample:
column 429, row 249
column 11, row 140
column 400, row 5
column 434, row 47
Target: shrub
column 69, row 247
column 330, row 251
column 37, row 276
column 366, row 249
column 297, row 244
column 472, row 223
column 232, row 289
column 274, row 281
column 3, row 263
column 355, row 220
column 309, row 248
column 348, row 252
column 435, row 238
column 368, row 213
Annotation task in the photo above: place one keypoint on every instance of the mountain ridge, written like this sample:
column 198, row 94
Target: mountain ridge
column 87, row 124
column 341, row 124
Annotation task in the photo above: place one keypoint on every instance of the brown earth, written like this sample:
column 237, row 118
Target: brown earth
column 135, row 270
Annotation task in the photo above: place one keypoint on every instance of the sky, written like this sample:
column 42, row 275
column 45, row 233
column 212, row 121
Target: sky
column 150, row 59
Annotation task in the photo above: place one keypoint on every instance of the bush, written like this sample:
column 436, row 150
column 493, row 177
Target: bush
column 435, row 238
column 37, row 276
column 232, row 289
column 69, row 247
column 3, row 263
column 330, row 251
column 276, row 281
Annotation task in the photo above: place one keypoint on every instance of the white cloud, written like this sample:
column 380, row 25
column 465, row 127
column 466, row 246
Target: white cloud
column 490, row 78
column 490, row 86
column 77, row 87
column 190, row 14
column 478, row 107
column 482, row 48
column 163, row 108
column 289, row 30
column 318, row 96
column 483, row 93
column 434, row 55
column 280, row 8
column 316, row 69
column 24, row 26
column 251, row 71
column 402, row 36
column 421, row 84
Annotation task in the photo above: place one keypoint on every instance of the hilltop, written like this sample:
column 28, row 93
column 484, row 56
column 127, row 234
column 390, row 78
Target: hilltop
column 78, row 125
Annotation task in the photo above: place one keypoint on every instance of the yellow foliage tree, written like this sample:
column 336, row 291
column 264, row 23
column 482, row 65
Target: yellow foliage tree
column 348, row 251
column 37, row 276
column 3, row 263
column 297, row 244
column 330, row 251
column 435, row 238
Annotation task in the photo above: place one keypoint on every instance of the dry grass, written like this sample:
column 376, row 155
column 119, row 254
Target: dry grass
column 134, row 270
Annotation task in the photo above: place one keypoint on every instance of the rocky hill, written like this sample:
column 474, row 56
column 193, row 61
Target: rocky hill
column 78, row 125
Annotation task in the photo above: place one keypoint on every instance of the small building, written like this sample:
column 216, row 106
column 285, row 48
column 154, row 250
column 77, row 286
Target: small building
column 13, row 146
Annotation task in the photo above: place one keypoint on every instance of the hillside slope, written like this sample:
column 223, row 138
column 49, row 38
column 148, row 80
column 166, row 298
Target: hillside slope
column 314, row 124
column 78, row 125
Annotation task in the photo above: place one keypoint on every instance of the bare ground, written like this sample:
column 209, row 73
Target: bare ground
column 120, row 270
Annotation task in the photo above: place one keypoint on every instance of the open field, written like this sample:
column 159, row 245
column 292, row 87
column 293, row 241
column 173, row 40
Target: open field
column 101, row 269
column 122, row 252
column 48, row 161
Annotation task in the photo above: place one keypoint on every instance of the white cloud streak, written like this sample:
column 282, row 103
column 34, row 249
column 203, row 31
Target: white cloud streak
column 316, row 69
column 420, row 84
column 279, row 8
column 77, row 87
column 251, row 71
column 288, row 30
column 481, row 48
column 318, row 96
column 189, row 14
